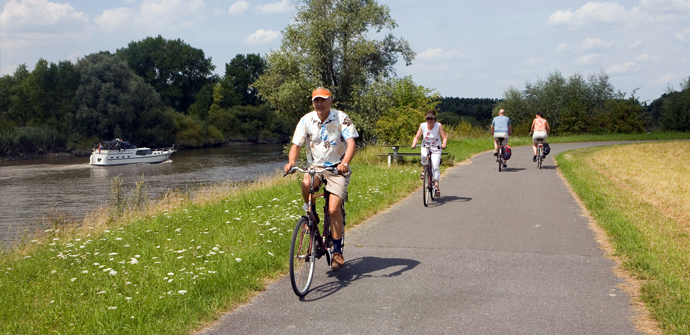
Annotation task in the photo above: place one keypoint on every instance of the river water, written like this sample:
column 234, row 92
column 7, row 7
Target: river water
column 31, row 189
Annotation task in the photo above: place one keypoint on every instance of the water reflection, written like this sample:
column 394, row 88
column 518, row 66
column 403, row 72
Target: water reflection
column 30, row 188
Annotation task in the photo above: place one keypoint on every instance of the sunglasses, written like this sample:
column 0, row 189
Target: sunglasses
column 431, row 118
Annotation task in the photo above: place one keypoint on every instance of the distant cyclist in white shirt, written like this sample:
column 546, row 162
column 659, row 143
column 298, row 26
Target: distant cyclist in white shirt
column 501, row 128
column 330, row 136
column 433, row 133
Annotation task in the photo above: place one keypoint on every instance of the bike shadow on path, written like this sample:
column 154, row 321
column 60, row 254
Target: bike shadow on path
column 510, row 169
column 360, row 268
column 444, row 199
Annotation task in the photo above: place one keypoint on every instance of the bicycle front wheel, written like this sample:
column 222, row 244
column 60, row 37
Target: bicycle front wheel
column 302, row 257
column 425, row 187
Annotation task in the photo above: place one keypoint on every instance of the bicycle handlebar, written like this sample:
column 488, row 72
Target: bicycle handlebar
column 311, row 170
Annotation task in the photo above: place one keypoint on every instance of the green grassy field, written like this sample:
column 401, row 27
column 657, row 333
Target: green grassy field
column 639, row 194
column 173, row 269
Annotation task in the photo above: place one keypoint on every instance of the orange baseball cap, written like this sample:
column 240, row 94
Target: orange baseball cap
column 320, row 93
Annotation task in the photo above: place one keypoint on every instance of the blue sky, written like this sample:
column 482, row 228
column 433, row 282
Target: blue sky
column 464, row 48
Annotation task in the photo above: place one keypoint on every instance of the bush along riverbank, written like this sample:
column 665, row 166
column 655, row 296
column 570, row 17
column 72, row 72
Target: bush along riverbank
column 173, row 265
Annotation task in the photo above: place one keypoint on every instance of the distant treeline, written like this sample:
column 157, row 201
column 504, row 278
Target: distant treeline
column 154, row 92
column 477, row 111
column 578, row 105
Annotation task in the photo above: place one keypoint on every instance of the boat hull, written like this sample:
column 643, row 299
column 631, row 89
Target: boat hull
column 124, row 158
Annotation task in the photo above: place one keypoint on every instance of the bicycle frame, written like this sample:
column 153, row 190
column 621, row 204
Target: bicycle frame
column 428, row 177
column 324, row 241
column 540, row 152
column 499, row 156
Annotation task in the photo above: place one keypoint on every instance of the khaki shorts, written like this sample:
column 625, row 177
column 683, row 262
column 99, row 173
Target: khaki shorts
column 336, row 183
column 504, row 135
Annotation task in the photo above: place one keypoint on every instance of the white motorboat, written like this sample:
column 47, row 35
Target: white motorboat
column 118, row 152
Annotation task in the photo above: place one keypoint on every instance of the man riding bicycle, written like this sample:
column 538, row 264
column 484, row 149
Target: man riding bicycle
column 331, row 136
column 501, row 128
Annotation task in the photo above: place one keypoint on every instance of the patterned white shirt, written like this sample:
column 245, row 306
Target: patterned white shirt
column 326, row 139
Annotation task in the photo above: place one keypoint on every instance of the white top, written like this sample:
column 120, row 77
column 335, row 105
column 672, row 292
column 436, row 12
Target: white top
column 431, row 136
column 326, row 139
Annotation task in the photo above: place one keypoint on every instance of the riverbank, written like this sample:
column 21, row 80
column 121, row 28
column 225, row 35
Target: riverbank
column 183, row 261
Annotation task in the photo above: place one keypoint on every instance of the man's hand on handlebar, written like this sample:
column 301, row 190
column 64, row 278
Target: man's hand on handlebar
column 288, row 167
column 342, row 168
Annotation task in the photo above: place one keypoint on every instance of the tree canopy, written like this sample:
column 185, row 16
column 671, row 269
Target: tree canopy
column 176, row 70
column 328, row 45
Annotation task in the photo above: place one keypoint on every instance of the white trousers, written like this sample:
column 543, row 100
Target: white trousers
column 435, row 161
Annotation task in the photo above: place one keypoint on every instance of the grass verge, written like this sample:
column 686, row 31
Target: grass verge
column 634, row 192
column 173, row 266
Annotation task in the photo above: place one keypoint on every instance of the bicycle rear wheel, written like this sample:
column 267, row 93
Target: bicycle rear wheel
column 540, row 158
column 302, row 257
column 500, row 159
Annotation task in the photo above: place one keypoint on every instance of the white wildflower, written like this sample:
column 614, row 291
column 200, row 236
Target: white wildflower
column 170, row 281
column 270, row 253
column 182, row 292
column 101, row 292
column 111, row 308
column 73, row 279
column 238, row 259
column 85, row 271
column 113, row 272
column 128, row 298
column 134, row 261
column 112, row 254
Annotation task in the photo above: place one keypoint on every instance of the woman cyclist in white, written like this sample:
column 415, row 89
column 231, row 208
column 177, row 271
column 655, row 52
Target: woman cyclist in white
column 433, row 133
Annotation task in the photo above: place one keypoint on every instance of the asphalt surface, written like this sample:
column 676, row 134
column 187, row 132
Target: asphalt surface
column 498, row 253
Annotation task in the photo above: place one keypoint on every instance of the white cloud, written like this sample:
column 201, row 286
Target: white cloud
column 612, row 13
column 646, row 58
column 533, row 61
column 591, row 12
column 111, row 19
column 40, row 22
column 563, row 47
column 238, row 7
column 595, row 43
column 665, row 79
column 154, row 15
column 7, row 69
column 635, row 45
column 41, row 16
column 169, row 13
column 587, row 59
column 438, row 53
column 684, row 35
column 262, row 36
column 623, row 68
column 275, row 7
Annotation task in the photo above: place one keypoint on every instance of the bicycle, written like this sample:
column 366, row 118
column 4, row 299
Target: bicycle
column 540, row 152
column 428, row 189
column 499, row 155
column 307, row 244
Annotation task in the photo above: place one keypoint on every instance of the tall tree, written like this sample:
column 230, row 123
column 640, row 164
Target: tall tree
column 240, row 74
column 114, row 102
column 328, row 44
column 175, row 69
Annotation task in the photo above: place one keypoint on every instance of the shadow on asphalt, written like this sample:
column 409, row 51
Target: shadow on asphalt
column 360, row 268
column 444, row 199
column 549, row 167
column 509, row 169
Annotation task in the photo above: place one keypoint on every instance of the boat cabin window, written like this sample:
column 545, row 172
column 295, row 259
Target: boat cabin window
column 144, row 152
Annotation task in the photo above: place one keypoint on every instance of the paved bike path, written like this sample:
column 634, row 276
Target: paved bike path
column 498, row 253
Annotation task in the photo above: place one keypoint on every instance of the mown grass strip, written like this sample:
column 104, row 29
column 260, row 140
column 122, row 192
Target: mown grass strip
column 653, row 245
column 175, row 270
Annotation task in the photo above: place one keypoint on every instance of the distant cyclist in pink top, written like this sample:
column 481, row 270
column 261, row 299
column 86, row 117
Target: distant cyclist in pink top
column 540, row 129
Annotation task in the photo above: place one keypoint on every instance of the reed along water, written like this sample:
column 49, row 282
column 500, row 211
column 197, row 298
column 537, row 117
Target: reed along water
column 31, row 189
